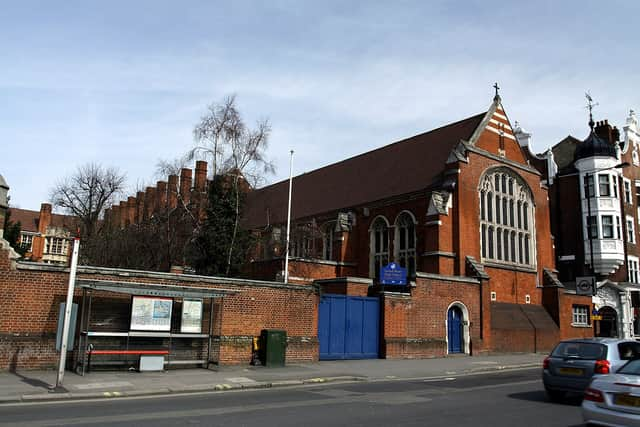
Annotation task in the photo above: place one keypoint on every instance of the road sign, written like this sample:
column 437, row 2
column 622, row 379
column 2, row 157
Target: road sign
column 585, row 285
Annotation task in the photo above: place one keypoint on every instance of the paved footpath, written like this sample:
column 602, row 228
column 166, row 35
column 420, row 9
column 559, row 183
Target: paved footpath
column 30, row 386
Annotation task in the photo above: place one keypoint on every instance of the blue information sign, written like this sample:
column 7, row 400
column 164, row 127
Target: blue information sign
column 393, row 274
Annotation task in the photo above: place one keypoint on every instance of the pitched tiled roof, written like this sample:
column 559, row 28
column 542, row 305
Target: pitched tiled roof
column 29, row 220
column 403, row 167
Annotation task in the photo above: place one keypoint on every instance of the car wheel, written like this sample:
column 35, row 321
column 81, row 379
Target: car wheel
column 555, row 395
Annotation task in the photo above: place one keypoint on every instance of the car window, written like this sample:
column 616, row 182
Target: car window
column 632, row 367
column 580, row 350
column 629, row 350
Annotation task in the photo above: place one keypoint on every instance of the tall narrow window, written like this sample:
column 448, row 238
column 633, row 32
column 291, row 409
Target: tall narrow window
column 631, row 232
column 328, row 231
column 379, row 244
column 405, row 243
column 520, row 248
column 490, row 242
column 489, row 207
column 505, row 214
column 603, row 185
column 506, row 245
column 512, row 221
column 607, row 227
column 592, row 226
column 484, row 240
column 499, row 245
column 588, row 186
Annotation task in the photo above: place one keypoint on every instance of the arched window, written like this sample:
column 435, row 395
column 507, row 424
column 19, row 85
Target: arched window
column 328, row 232
column 378, row 246
column 508, row 237
column 405, row 242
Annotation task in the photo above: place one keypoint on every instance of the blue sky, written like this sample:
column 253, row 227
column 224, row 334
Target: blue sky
column 124, row 83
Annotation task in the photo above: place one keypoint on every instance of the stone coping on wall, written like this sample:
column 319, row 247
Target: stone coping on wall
column 421, row 275
column 346, row 279
column 121, row 273
column 310, row 261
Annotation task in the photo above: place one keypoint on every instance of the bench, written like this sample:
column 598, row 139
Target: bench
column 91, row 352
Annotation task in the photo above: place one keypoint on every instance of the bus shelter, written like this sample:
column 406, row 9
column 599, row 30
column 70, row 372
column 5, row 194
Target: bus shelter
column 144, row 326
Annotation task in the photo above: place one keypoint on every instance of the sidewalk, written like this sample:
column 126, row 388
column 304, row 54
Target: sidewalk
column 29, row 386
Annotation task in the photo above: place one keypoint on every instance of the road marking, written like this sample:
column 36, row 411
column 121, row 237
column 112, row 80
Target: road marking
column 435, row 380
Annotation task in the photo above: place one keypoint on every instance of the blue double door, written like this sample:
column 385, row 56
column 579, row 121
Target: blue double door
column 348, row 327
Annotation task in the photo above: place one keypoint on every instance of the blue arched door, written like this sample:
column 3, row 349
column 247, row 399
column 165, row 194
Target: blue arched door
column 454, row 329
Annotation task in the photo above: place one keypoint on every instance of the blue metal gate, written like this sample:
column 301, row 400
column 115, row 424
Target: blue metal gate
column 454, row 332
column 348, row 327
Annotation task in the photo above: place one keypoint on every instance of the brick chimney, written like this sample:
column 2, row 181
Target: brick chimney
column 131, row 210
column 173, row 192
column 115, row 216
column 161, row 196
column 44, row 221
column 185, row 185
column 124, row 214
column 139, row 206
column 201, row 176
column 605, row 131
column 149, row 202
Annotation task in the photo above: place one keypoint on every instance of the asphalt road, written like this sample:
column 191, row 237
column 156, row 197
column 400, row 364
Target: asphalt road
column 513, row 398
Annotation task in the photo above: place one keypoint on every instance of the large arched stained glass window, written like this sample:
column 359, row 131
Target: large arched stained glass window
column 508, row 237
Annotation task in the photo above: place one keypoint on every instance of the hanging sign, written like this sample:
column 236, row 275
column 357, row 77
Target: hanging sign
column 393, row 274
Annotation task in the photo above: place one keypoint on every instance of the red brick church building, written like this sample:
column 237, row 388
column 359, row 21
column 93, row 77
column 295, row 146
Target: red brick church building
column 463, row 208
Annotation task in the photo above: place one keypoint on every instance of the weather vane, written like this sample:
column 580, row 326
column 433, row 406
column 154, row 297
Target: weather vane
column 590, row 105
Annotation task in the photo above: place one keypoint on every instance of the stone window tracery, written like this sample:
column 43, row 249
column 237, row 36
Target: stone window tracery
column 509, row 236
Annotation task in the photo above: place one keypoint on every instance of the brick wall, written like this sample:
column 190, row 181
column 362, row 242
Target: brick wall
column 28, row 324
column 415, row 325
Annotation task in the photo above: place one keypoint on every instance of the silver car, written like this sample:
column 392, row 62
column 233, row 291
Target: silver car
column 572, row 363
column 614, row 400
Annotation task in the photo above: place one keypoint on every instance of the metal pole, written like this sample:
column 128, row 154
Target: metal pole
column 67, row 312
column 286, row 254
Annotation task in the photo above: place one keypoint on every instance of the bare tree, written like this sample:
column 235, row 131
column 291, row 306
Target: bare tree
column 235, row 150
column 87, row 192
column 215, row 128
column 165, row 168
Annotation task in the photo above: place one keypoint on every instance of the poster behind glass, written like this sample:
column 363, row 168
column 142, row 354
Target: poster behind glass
column 151, row 313
column 191, row 316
